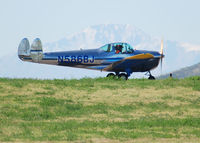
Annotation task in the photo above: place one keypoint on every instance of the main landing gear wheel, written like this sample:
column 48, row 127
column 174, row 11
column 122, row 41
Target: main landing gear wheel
column 123, row 76
column 110, row 75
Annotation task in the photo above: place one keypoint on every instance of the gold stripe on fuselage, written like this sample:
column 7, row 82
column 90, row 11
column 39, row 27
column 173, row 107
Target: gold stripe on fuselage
column 140, row 56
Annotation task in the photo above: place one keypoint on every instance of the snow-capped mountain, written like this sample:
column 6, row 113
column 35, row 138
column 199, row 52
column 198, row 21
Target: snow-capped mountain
column 177, row 55
column 96, row 36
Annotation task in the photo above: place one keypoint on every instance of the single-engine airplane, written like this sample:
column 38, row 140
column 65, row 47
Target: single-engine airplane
column 119, row 58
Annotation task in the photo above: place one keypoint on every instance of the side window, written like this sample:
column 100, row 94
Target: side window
column 129, row 49
column 107, row 48
column 121, row 48
column 104, row 48
column 124, row 49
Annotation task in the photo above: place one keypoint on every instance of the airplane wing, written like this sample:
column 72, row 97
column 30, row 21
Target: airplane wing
column 135, row 57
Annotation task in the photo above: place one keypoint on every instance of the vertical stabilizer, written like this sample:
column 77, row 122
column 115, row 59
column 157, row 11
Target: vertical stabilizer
column 36, row 51
column 24, row 50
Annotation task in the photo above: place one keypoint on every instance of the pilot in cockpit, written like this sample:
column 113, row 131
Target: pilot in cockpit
column 118, row 49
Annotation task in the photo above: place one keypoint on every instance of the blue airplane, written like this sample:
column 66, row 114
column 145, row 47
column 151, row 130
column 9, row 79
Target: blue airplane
column 119, row 58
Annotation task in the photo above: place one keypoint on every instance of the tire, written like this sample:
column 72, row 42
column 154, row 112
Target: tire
column 111, row 75
column 151, row 77
column 123, row 76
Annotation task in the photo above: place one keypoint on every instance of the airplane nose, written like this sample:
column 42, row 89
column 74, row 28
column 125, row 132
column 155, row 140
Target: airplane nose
column 162, row 55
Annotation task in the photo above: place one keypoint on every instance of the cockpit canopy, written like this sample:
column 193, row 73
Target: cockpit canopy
column 118, row 48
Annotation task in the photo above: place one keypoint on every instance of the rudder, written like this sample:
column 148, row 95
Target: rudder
column 24, row 50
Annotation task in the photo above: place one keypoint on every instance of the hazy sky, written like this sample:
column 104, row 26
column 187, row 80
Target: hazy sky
column 53, row 19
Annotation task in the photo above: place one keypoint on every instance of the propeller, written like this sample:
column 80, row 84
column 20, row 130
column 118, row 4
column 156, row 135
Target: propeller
column 161, row 53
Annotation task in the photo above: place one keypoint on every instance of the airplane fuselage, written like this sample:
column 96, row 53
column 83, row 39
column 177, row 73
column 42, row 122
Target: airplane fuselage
column 99, row 60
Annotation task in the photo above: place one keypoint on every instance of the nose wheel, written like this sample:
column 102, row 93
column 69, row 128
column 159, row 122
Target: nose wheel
column 150, row 76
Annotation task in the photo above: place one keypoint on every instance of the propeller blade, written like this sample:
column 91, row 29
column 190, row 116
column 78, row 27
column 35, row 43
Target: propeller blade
column 161, row 62
column 162, row 55
column 161, row 48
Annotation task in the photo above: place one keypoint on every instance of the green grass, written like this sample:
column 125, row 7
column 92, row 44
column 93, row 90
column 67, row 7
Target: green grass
column 100, row 110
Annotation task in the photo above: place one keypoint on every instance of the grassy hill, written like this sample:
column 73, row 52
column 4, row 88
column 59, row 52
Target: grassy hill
column 100, row 110
column 193, row 70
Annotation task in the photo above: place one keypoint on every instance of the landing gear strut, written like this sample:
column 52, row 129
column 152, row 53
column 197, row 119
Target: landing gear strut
column 150, row 76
